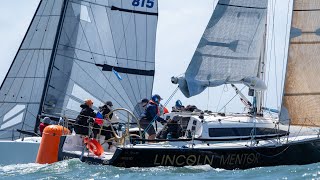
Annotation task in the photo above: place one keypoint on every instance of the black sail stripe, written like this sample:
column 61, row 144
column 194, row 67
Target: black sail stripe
column 106, row 67
column 133, row 11
column 302, row 94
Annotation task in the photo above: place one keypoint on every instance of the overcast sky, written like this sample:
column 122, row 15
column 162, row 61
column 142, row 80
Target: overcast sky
column 180, row 27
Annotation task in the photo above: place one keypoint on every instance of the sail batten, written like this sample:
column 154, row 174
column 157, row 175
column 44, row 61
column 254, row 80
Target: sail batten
column 230, row 48
column 301, row 93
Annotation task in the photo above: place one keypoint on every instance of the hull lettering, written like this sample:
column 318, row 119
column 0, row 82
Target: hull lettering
column 193, row 160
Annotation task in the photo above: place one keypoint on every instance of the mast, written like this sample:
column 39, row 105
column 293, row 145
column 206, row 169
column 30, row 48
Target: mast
column 53, row 55
column 261, row 75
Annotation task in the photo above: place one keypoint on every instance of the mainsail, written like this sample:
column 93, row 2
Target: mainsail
column 302, row 86
column 229, row 50
column 76, row 50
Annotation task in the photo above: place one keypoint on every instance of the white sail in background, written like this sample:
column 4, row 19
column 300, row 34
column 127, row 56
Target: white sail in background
column 301, row 98
column 80, row 49
column 229, row 50
column 22, row 89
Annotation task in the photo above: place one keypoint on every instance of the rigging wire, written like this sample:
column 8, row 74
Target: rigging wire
column 171, row 96
column 220, row 99
column 274, row 51
column 285, row 47
column 230, row 100
column 208, row 100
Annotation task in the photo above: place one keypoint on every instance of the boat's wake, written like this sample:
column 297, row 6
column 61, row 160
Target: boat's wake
column 75, row 169
column 38, row 170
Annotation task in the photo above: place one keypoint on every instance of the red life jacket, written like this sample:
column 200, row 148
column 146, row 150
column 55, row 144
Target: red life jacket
column 42, row 126
column 154, row 103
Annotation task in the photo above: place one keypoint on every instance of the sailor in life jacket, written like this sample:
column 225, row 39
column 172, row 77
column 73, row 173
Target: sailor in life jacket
column 150, row 115
column 86, row 116
column 107, row 123
column 178, row 107
column 45, row 122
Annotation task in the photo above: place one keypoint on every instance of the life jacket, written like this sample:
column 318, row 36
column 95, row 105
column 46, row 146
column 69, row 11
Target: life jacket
column 157, row 109
column 165, row 110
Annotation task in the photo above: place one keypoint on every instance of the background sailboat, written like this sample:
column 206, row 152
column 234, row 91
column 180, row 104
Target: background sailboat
column 301, row 99
column 70, row 53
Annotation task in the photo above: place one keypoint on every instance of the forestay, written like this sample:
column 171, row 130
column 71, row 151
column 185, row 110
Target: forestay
column 301, row 95
column 229, row 50
column 80, row 49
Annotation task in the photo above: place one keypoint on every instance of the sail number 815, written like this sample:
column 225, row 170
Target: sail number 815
column 143, row 3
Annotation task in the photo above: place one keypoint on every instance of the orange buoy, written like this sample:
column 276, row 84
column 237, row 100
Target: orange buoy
column 94, row 146
column 49, row 146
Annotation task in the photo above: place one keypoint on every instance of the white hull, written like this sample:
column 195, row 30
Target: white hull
column 19, row 152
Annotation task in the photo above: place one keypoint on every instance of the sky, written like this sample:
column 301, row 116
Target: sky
column 180, row 26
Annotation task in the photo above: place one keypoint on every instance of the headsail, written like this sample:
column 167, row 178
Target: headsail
column 302, row 86
column 73, row 51
column 229, row 50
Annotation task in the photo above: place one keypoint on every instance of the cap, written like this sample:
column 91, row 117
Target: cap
column 156, row 97
column 178, row 103
column 46, row 120
column 109, row 103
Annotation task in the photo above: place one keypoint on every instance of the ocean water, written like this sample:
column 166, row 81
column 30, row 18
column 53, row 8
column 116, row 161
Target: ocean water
column 74, row 169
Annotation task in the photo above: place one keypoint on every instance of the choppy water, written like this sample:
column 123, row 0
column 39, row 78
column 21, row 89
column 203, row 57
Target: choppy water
column 74, row 169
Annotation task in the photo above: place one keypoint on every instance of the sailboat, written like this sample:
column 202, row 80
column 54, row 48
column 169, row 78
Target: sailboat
column 232, row 51
column 76, row 50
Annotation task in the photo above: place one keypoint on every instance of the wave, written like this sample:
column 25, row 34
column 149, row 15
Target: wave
column 75, row 169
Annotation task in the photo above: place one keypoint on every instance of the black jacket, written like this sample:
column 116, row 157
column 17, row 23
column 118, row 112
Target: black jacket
column 105, row 110
column 87, row 114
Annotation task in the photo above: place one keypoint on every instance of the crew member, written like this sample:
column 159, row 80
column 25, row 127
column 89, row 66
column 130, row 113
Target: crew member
column 106, row 129
column 178, row 107
column 84, row 118
column 150, row 115
column 144, row 103
column 46, row 122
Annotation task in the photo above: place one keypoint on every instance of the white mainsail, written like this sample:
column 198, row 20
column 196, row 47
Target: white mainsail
column 79, row 49
column 229, row 50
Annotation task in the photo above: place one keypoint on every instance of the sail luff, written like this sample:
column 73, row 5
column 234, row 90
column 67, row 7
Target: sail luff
column 53, row 55
column 283, row 113
column 301, row 93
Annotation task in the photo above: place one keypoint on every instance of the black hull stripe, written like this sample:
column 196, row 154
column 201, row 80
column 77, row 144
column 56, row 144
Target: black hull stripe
column 263, row 137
